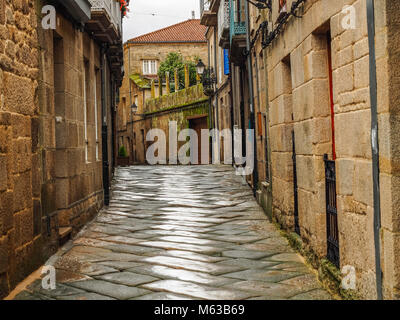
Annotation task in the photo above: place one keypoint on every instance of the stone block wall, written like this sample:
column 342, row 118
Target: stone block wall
column 70, row 76
column 158, row 112
column 135, row 53
column 351, row 97
column 175, row 99
column 45, row 181
column 20, row 225
column 281, row 127
column 180, row 115
column 224, row 116
column 299, row 100
column 313, row 135
column 388, row 63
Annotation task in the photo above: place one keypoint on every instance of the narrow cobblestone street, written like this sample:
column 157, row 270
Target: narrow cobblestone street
column 179, row 233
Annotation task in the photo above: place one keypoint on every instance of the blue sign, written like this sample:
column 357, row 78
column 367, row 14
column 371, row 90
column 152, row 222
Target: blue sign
column 226, row 61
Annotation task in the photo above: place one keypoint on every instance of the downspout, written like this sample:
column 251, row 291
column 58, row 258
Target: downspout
column 218, row 151
column 216, row 77
column 267, row 106
column 129, row 76
column 232, row 114
column 210, row 120
column 241, row 109
column 106, row 182
column 130, row 132
column 375, row 145
column 251, row 97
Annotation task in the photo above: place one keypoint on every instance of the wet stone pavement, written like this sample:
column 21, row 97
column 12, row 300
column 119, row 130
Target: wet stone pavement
column 179, row 233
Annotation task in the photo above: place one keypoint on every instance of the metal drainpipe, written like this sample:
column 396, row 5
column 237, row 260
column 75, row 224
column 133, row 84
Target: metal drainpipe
column 266, row 81
column 216, row 94
column 232, row 113
column 375, row 145
column 251, row 96
column 210, row 117
column 129, row 76
column 106, row 182
column 216, row 77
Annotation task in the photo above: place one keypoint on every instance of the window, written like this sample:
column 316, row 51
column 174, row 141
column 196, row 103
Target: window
column 149, row 66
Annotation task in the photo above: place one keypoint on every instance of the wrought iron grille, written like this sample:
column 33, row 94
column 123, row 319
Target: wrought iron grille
column 208, row 81
column 204, row 6
column 111, row 8
column 331, row 212
column 296, row 198
column 223, row 18
column 237, row 18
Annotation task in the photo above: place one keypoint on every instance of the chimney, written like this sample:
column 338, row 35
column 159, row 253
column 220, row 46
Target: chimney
column 193, row 15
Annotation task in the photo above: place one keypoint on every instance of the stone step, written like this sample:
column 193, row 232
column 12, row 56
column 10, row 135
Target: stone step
column 64, row 234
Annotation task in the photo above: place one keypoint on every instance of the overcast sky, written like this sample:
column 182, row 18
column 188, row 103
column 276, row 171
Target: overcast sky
column 149, row 15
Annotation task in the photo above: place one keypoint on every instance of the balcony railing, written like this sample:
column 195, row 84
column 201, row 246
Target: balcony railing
column 111, row 8
column 207, row 17
column 223, row 23
column 238, row 18
column 205, row 5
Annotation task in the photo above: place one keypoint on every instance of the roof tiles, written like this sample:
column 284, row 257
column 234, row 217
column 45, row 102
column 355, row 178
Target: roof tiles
column 186, row 31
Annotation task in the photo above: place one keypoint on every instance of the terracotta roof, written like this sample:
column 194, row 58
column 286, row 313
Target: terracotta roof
column 186, row 31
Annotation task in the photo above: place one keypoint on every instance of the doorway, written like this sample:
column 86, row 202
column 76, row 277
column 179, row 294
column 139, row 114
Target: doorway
column 197, row 123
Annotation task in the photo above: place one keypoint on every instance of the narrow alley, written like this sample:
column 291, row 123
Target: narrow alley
column 179, row 232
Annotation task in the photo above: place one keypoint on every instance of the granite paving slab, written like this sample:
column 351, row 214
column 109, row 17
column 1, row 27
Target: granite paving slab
column 179, row 232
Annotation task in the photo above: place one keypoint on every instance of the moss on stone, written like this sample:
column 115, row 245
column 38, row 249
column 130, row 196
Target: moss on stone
column 139, row 81
column 171, row 108
column 328, row 274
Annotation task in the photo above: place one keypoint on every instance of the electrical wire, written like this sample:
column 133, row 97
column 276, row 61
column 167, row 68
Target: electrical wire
column 156, row 14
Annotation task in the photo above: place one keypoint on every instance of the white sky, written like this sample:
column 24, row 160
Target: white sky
column 140, row 18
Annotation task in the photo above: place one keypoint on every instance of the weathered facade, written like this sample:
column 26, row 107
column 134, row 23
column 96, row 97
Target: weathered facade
column 58, row 93
column 188, row 109
column 142, row 56
column 312, row 105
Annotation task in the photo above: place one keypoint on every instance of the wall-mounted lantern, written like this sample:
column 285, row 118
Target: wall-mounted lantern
column 200, row 67
column 208, row 78
column 134, row 109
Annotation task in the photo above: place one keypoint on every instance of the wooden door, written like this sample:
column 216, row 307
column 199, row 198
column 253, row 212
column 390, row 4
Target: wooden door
column 197, row 124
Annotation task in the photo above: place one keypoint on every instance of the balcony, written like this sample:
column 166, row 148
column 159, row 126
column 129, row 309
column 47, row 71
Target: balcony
column 116, row 58
column 214, row 5
column 207, row 16
column 223, row 24
column 106, row 21
column 237, row 21
column 78, row 9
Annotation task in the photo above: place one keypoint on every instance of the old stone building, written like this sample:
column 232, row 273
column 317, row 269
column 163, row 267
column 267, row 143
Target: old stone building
column 58, row 89
column 312, row 78
column 218, row 68
column 143, row 56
